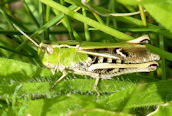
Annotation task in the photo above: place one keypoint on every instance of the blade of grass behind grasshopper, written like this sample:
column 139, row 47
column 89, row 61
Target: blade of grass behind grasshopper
column 127, row 20
column 31, row 14
column 87, row 20
column 86, row 28
column 112, row 8
column 47, row 19
column 162, row 53
column 77, row 37
column 42, row 20
column 68, row 23
column 142, row 14
column 163, row 64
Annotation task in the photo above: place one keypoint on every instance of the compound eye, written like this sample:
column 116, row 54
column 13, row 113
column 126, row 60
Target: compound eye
column 153, row 67
column 144, row 41
column 50, row 50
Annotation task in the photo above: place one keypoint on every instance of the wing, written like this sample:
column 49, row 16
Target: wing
column 130, row 52
column 120, row 58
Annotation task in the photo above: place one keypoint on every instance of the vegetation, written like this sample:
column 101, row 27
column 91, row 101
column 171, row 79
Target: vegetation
column 25, row 82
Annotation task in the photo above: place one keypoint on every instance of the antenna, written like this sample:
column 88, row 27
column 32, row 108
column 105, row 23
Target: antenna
column 26, row 35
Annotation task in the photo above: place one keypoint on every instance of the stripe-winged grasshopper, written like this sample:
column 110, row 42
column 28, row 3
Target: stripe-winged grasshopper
column 98, row 60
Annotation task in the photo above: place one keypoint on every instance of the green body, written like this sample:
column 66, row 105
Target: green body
column 64, row 56
column 67, row 53
column 106, row 59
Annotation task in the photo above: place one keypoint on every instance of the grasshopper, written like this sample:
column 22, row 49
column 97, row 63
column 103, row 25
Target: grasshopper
column 98, row 60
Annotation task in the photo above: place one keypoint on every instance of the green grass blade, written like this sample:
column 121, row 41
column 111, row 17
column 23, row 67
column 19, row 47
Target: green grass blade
column 77, row 37
column 70, row 29
column 87, row 20
column 31, row 14
column 86, row 28
column 47, row 19
column 162, row 53
column 163, row 65
column 142, row 14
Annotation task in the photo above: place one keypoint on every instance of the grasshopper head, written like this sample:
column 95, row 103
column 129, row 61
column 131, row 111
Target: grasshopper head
column 48, row 55
column 46, row 52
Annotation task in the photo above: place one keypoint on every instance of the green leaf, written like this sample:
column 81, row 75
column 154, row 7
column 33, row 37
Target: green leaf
column 161, row 12
column 136, row 2
column 147, row 94
column 59, row 105
column 12, row 71
column 96, row 112
column 162, row 110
